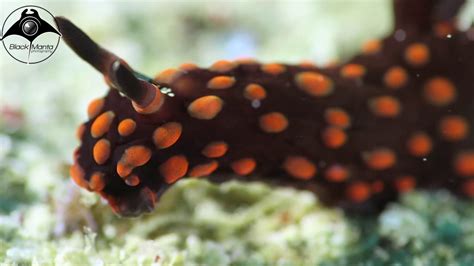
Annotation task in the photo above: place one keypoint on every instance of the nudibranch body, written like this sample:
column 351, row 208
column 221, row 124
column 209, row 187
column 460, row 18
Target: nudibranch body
column 396, row 117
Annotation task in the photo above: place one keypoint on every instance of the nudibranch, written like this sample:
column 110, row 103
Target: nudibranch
column 398, row 116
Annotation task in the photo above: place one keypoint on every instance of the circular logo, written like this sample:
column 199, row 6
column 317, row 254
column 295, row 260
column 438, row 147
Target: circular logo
column 30, row 34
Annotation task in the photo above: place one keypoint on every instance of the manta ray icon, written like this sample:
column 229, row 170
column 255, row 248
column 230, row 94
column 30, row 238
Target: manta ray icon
column 30, row 26
column 26, row 22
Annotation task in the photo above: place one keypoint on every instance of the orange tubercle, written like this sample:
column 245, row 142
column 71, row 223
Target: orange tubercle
column 206, row 107
column 136, row 155
column 380, row 159
column 188, row 66
column 223, row 66
column 395, row 77
column 204, row 169
column 385, row 106
column 464, row 164
column 94, row 108
column 168, row 75
column 220, row 82
column 358, row 192
column 334, row 137
column 273, row 122
column 97, row 181
column 101, row 124
column 353, row 71
column 126, row 127
column 337, row 173
column 254, row 92
column 243, row 166
column 77, row 174
column 174, row 168
column 215, row 149
column 167, row 135
column 371, row 47
column 419, row 144
column 132, row 180
column 133, row 157
column 315, row 84
column 417, row 54
column 337, row 117
column 405, row 183
column 453, row 128
column 439, row 91
column 101, row 151
column 299, row 167
column 80, row 131
column 273, row 68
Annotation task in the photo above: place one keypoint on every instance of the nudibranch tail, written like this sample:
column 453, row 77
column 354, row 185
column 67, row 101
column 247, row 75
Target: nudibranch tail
column 397, row 117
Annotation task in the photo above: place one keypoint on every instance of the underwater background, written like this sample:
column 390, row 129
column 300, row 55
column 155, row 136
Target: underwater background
column 47, row 220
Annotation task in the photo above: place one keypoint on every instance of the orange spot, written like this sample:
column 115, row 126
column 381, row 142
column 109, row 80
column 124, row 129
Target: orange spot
column 246, row 61
column 358, row 192
column 133, row 157
column 442, row 29
column 419, row 144
column 353, row 71
column 243, row 166
column 417, row 54
column 101, row 151
column 314, row 84
column 273, row 69
column 168, row 75
column 299, row 167
column 167, row 135
column 77, row 175
column 126, row 127
column 273, row 122
column 174, row 168
column 215, row 149
column 371, row 47
column 223, row 66
column 453, row 128
column 154, row 105
column 337, row 117
column 123, row 169
column 385, row 106
column 80, row 131
column 377, row 186
column 97, row 181
column 468, row 188
column 206, row 107
column 337, row 173
column 307, row 64
column 94, row 108
column 380, row 159
column 188, row 66
column 405, row 183
column 132, row 180
column 220, row 82
column 464, row 164
column 395, row 77
column 204, row 169
column 334, row 137
column 102, row 124
column 439, row 91
column 254, row 92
